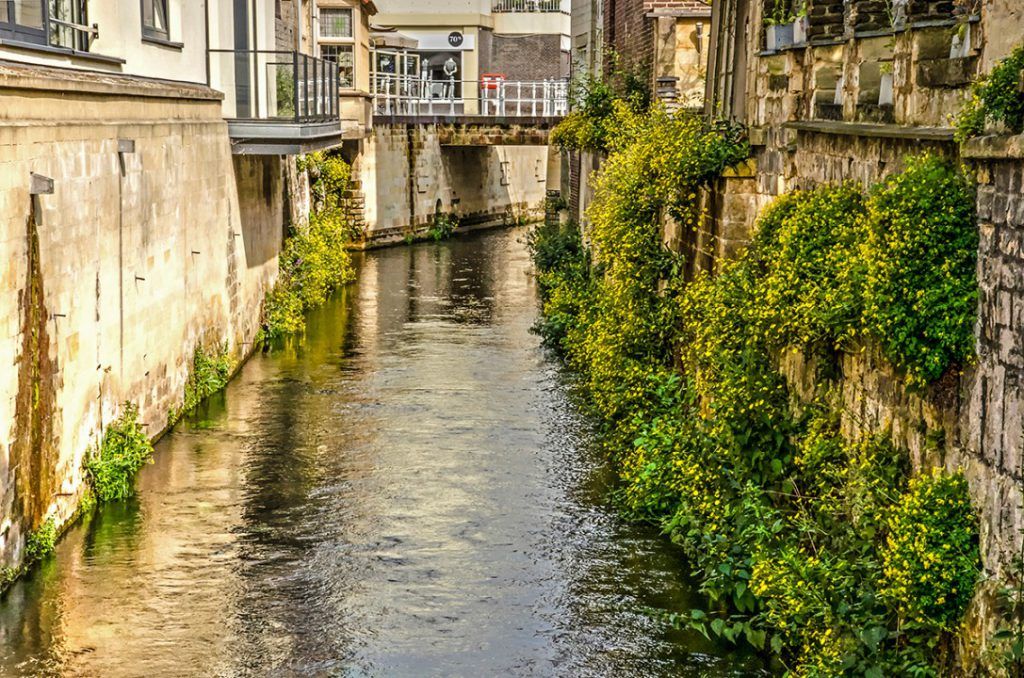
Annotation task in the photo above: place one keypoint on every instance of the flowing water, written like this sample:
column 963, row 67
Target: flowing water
column 407, row 492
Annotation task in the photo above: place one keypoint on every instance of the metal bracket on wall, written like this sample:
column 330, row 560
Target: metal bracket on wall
column 40, row 185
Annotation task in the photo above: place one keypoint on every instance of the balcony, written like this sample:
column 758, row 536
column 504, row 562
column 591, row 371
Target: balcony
column 408, row 96
column 277, row 102
column 525, row 6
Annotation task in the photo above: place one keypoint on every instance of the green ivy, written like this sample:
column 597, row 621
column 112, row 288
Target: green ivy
column 125, row 448
column 995, row 99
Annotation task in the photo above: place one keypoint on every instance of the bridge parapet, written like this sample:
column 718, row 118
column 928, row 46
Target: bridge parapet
column 492, row 96
column 479, row 130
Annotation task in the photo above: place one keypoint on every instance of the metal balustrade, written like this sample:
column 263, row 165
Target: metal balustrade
column 526, row 6
column 275, row 85
column 414, row 95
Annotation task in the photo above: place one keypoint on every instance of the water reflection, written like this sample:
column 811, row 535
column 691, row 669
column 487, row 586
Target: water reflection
column 406, row 492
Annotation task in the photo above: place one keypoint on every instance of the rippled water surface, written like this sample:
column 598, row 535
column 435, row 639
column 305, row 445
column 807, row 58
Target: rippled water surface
column 408, row 492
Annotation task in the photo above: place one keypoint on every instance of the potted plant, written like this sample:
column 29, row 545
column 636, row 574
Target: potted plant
column 801, row 26
column 961, row 45
column 898, row 13
column 779, row 27
column 885, row 89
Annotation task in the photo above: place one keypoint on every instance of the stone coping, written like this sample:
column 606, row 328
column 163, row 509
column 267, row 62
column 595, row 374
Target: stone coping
column 994, row 147
column 477, row 120
column 16, row 75
column 873, row 130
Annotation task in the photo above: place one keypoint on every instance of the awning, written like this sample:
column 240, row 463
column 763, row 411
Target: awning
column 392, row 38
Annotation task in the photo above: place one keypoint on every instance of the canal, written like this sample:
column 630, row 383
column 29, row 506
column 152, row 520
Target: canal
column 407, row 492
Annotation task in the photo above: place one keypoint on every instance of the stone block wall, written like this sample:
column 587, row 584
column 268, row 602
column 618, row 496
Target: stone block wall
column 155, row 240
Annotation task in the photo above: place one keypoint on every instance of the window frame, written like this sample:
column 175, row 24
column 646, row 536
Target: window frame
column 151, row 32
column 13, row 31
column 351, row 23
column 351, row 47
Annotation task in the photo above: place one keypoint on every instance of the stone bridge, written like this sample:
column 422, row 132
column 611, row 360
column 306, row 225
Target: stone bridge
column 480, row 130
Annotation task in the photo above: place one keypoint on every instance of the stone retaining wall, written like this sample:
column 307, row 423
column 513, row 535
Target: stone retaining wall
column 154, row 240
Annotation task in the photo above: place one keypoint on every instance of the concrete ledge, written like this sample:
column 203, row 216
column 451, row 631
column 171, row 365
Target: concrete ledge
column 15, row 75
column 872, row 130
column 994, row 147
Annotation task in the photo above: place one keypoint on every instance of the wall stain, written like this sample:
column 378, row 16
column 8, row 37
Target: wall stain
column 33, row 459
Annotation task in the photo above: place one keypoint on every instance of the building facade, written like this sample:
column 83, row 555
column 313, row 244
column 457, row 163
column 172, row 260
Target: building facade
column 473, row 44
column 145, row 149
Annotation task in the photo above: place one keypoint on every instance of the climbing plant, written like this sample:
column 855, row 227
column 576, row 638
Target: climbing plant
column 995, row 99
column 314, row 261
column 813, row 547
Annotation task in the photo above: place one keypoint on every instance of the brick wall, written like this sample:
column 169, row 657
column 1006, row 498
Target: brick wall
column 527, row 57
column 630, row 29
column 630, row 34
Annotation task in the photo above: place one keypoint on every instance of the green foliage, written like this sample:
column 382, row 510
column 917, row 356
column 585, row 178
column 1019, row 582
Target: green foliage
column 41, row 543
column 995, row 99
column 209, row 374
column 443, row 227
column 124, row 449
column 593, row 121
column 314, row 261
column 797, row 535
column 921, row 291
column 931, row 554
column 563, row 275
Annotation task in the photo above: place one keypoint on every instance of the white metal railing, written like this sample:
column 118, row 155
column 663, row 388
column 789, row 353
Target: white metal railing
column 415, row 95
column 526, row 5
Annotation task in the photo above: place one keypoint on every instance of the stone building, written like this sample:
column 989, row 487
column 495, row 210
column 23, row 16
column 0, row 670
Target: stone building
column 663, row 42
column 844, row 91
column 143, row 155
column 514, row 40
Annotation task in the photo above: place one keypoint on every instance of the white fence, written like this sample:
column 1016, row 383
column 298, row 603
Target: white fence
column 411, row 95
column 526, row 5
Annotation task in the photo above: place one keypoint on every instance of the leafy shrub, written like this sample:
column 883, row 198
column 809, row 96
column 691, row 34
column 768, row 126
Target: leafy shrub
column 931, row 554
column 921, row 291
column 995, row 99
column 209, row 374
column 783, row 520
column 124, row 449
column 314, row 261
column 593, row 122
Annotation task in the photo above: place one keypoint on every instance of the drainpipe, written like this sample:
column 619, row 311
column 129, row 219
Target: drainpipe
column 298, row 26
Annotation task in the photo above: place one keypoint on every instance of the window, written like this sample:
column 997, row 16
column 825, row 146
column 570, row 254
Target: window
column 335, row 23
column 23, row 20
column 66, row 19
column 154, row 19
column 344, row 57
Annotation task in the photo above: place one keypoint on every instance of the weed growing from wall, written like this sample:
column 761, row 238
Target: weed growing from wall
column 996, row 99
column 209, row 374
column 443, row 227
column 314, row 261
column 125, row 448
